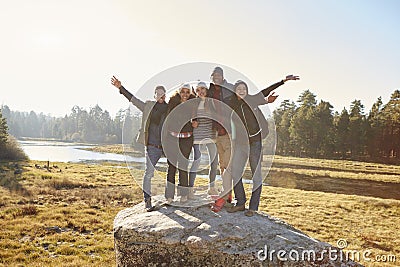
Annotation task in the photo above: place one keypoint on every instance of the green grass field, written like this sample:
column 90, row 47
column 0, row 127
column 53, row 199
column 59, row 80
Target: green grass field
column 64, row 216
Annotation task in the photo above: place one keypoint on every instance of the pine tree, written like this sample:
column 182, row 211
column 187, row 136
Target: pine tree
column 357, row 128
column 391, row 114
column 342, row 133
column 302, row 130
column 3, row 130
column 282, row 117
column 324, row 131
column 375, row 131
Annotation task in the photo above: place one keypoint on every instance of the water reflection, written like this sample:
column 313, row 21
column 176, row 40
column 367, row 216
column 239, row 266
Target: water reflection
column 69, row 152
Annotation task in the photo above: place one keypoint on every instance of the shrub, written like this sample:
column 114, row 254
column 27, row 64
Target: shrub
column 11, row 150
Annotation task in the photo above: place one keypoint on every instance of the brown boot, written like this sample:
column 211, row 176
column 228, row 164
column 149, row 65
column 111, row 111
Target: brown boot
column 250, row 213
column 236, row 208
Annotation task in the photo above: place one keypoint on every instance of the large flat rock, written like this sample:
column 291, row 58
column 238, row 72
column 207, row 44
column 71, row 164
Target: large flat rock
column 196, row 236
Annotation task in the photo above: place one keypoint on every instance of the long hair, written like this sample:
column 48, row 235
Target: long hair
column 175, row 100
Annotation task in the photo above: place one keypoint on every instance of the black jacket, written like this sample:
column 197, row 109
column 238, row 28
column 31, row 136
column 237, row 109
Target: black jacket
column 182, row 117
column 223, row 112
column 249, row 113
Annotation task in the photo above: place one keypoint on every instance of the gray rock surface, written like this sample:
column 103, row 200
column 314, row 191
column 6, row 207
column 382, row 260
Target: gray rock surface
column 196, row 236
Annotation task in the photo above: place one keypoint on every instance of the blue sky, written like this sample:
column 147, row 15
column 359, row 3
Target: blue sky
column 56, row 54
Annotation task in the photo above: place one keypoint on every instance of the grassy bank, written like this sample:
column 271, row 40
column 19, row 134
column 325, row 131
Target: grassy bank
column 116, row 149
column 64, row 216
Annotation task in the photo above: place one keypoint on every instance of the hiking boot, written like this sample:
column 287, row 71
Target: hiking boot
column 250, row 213
column 147, row 205
column 236, row 208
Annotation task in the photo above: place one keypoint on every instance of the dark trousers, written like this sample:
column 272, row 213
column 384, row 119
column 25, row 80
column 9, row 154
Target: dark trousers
column 180, row 161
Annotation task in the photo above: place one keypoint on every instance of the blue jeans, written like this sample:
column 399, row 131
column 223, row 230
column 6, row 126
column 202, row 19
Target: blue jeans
column 213, row 159
column 241, row 153
column 153, row 155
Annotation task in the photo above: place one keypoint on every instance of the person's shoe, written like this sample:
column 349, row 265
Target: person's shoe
column 229, row 203
column 218, row 205
column 147, row 205
column 191, row 193
column 236, row 208
column 169, row 201
column 184, row 199
column 212, row 191
column 250, row 213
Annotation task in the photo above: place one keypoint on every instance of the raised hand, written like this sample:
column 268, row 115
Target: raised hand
column 115, row 82
column 291, row 77
column 271, row 98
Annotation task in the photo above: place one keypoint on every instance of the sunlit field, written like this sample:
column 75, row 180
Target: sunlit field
column 63, row 216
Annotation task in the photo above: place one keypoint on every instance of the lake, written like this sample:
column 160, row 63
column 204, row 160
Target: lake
column 69, row 152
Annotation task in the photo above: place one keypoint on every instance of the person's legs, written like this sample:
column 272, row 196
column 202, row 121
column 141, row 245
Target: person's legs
column 226, row 143
column 185, row 145
column 224, row 153
column 221, row 146
column 170, row 186
column 255, row 159
column 213, row 160
column 195, row 164
column 153, row 155
column 238, row 165
column 171, row 152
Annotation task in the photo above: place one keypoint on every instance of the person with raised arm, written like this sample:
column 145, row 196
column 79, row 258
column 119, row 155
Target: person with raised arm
column 248, row 142
column 154, row 113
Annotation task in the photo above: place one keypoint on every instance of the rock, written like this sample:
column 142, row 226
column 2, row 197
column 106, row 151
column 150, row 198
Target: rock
column 196, row 236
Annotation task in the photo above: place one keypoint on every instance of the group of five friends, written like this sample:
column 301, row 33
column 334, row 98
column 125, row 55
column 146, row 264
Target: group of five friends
column 225, row 118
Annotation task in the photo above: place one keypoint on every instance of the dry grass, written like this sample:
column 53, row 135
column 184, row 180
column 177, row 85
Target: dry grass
column 65, row 218
column 364, row 222
column 117, row 149
column 62, row 218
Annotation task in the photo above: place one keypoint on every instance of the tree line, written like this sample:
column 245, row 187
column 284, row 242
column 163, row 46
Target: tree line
column 94, row 125
column 311, row 129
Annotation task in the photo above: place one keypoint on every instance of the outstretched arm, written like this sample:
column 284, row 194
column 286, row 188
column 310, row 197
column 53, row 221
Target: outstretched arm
column 135, row 101
column 269, row 89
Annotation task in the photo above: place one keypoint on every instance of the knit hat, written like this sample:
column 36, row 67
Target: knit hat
column 218, row 70
column 187, row 86
column 160, row 87
column 202, row 84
